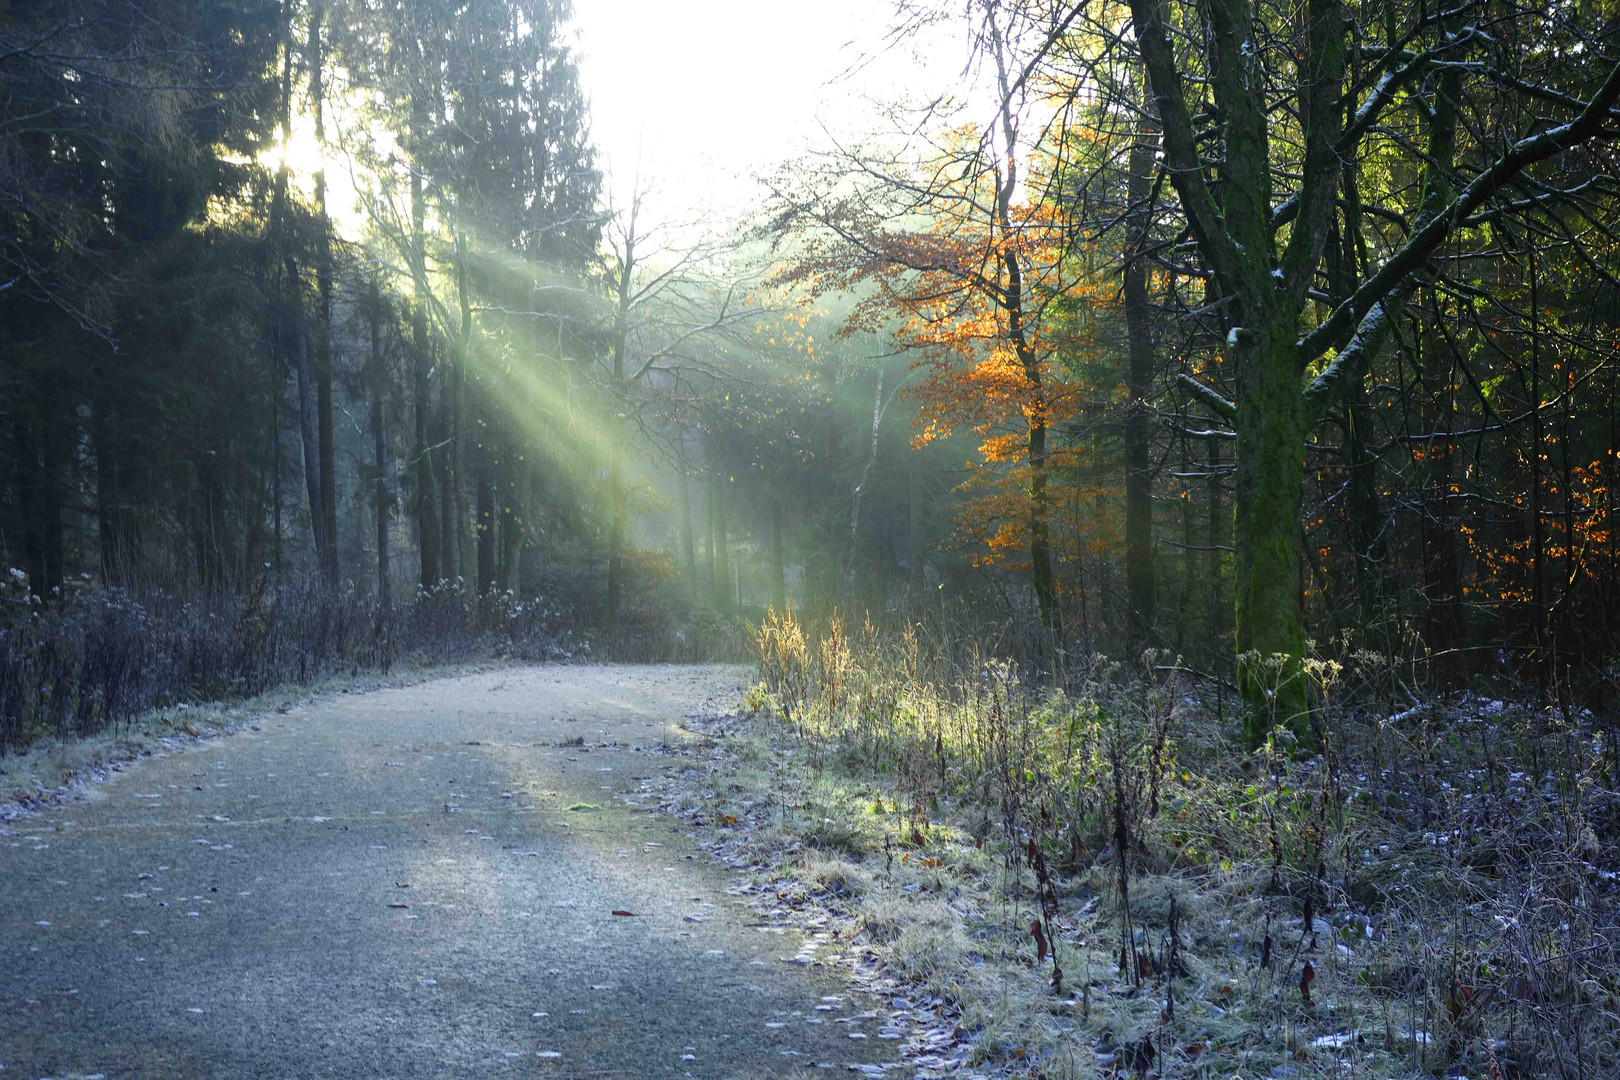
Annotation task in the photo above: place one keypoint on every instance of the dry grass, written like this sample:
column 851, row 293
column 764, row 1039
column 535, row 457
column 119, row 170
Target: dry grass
column 1449, row 874
column 100, row 658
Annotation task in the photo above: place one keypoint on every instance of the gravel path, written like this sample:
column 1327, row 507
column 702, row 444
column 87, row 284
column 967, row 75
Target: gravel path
column 419, row 882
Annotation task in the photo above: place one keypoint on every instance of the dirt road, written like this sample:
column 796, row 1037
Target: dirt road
column 419, row 882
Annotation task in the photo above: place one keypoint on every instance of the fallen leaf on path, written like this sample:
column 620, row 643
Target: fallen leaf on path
column 627, row 914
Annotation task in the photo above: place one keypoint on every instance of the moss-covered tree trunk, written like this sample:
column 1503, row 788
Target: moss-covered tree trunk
column 1271, row 429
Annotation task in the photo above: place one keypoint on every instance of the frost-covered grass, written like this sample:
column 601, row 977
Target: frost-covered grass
column 1448, row 869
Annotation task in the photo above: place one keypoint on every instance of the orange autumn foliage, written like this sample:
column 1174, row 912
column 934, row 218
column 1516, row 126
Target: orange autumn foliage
column 970, row 299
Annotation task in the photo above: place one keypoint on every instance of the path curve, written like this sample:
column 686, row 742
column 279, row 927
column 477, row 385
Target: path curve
column 415, row 882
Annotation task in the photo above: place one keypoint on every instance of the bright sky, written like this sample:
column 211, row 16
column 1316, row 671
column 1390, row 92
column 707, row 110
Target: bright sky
column 705, row 93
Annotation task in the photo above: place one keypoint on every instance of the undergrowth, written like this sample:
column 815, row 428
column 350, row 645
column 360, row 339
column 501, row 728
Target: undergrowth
column 97, row 658
column 1107, row 883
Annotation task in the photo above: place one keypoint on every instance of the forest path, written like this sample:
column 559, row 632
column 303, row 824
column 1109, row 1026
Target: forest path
column 416, row 882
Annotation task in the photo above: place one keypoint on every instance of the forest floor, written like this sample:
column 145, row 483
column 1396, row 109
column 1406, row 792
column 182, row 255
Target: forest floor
column 453, row 878
column 605, row 870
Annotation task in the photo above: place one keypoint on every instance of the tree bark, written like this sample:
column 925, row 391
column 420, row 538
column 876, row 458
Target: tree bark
column 778, row 570
column 485, row 525
column 1012, row 302
column 616, row 434
column 708, row 534
column 293, row 334
column 917, row 579
column 513, row 496
column 1220, row 528
column 427, row 521
column 377, row 378
column 298, row 346
column 688, row 541
column 860, row 490
column 1140, row 586
column 323, row 276
column 722, row 569
column 1266, row 290
column 444, row 462
column 109, row 499
column 32, row 500
column 1270, row 488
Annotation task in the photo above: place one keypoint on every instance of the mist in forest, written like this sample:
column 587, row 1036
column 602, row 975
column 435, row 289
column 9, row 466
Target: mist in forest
column 630, row 323
column 1095, row 520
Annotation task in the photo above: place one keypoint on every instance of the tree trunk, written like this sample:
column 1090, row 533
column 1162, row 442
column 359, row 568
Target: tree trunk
column 623, row 284
column 722, row 569
column 1040, row 510
column 1442, row 623
column 1139, row 568
column 293, row 335
column 108, row 501
column 33, row 501
column 1538, row 524
column 378, row 379
column 323, row 276
column 1363, row 508
column 275, row 241
column 708, row 534
column 827, row 571
column 616, row 498
column 513, row 497
column 1011, row 299
column 485, row 525
column 1220, row 529
column 477, row 452
column 860, row 490
column 917, row 579
column 426, row 520
column 465, row 404
column 1040, row 543
column 688, row 541
column 445, row 473
column 275, row 434
column 1270, row 488
column 303, row 366
column 778, row 570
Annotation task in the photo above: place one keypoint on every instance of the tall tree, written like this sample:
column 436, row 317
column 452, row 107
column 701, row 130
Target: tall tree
column 315, row 59
column 1264, row 252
